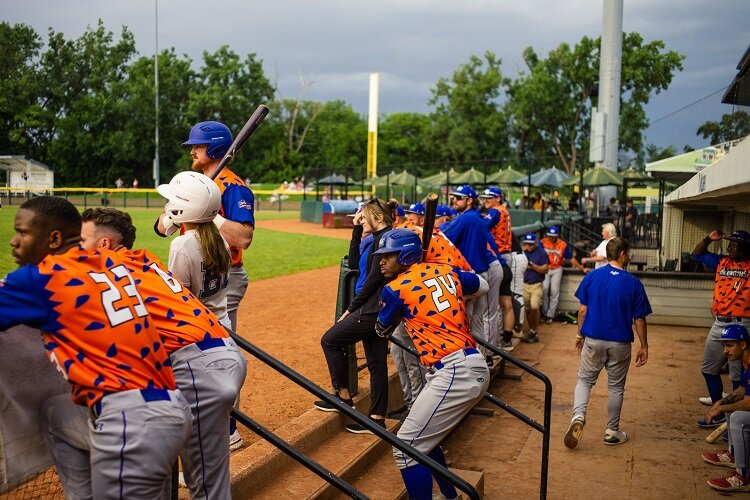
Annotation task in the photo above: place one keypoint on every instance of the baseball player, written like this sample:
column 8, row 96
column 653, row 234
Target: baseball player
column 469, row 233
column 199, row 257
column 558, row 252
column 208, row 142
column 537, row 268
column 497, row 219
column 611, row 301
column 208, row 366
column 429, row 298
column 731, row 304
column 442, row 215
column 736, row 406
column 100, row 337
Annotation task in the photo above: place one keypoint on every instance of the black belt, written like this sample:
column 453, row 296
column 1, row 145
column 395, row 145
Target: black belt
column 728, row 319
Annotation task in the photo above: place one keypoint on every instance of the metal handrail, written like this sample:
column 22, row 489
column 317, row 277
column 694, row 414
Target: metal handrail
column 358, row 417
column 297, row 455
column 544, row 429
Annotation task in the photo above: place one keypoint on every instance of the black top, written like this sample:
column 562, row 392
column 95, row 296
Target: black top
column 368, row 298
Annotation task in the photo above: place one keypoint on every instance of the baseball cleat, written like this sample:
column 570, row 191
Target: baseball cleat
column 715, row 422
column 721, row 458
column 235, row 441
column 706, row 400
column 574, row 432
column 530, row 337
column 733, row 482
column 613, row 438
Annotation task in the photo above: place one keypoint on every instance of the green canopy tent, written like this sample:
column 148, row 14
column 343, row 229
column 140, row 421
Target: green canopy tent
column 471, row 176
column 632, row 173
column 507, row 176
column 441, row 178
column 406, row 181
column 597, row 176
column 552, row 177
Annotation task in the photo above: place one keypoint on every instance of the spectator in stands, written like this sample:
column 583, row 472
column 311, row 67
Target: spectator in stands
column 532, row 284
column 599, row 254
column 135, row 183
column 539, row 204
column 119, row 183
column 573, row 203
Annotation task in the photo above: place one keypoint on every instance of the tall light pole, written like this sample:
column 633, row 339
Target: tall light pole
column 156, row 96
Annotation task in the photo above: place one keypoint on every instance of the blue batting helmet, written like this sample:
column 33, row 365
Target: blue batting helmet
column 406, row 243
column 492, row 192
column 734, row 333
column 465, row 191
column 400, row 211
column 741, row 237
column 415, row 208
column 216, row 135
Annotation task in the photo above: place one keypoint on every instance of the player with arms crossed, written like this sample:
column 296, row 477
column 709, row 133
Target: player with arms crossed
column 429, row 298
column 208, row 366
column 99, row 335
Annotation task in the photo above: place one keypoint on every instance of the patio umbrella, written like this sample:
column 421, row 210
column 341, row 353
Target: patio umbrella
column 507, row 176
column 552, row 177
column 471, row 176
column 597, row 176
column 632, row 173
column 336, row 180
column 440, row 178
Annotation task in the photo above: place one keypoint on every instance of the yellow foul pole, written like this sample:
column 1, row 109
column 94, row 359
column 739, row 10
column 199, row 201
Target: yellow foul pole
column 372, row 129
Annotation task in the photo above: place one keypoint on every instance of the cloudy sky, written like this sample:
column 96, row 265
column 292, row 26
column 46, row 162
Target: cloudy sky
column 412, row 43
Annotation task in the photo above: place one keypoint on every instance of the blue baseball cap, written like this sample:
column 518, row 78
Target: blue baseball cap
column 553, row 231
column 465, row 191
column 443, row 211
column 454, row 212
column 415, row 208
column 528, row 239
column 400, row 211
column 734, row 333
column 492, row 192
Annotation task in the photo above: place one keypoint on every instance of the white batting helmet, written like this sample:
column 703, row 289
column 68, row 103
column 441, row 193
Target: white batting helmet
column 193, row 197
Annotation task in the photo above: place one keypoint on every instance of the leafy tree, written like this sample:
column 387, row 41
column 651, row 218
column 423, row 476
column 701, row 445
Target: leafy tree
column 467, row 122
column 549, row 105
column 654, row 153
column 732, row 126
column 404, row 139
column 19, row 86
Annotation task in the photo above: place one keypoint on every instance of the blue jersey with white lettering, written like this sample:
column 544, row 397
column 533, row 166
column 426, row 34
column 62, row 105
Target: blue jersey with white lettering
column 613, row 298
column 472, row 237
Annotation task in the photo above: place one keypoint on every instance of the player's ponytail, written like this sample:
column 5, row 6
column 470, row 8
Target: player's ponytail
column 215, row 253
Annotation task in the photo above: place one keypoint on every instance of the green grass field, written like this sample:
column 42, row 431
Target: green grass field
column 273, row 253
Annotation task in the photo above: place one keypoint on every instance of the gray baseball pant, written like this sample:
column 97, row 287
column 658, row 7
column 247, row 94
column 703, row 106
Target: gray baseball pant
column 551, row 294
column 493, row 275
column 67, row 430
column 135, row 442
column 236, row 289
column 411, row 373
column 738, row 425
column 613, row 357
column 713, row 352
column 210, row 374
column 449, row 394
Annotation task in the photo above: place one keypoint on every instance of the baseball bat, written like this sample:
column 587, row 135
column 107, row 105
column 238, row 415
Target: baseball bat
column 244, row 134
column 716, row 434
column 430, row 207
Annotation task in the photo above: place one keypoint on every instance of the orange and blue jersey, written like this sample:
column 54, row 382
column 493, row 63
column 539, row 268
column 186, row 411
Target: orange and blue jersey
column 498, row 222
column 96, row 329
column 237, row 205
column 178, row 315
column 731, row 290
column 429, row 299
column 441, row 249
column 558, row 252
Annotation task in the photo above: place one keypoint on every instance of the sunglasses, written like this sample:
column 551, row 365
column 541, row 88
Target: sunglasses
column 377, row 202
column 457, row 197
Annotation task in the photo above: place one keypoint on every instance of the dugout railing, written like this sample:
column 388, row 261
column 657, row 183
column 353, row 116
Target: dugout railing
column 350, row 412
